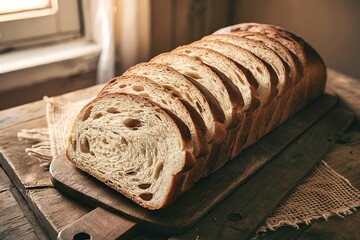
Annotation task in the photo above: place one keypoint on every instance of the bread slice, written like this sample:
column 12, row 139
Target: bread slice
column 205, row 80
column 144, row 87
column 132, row 145
column 258, row 76
column 241, row 93
column 292, row 69
column 279, row 49
column 291, row 66
column 179, row 86
column 279, row 77
column 213, row 89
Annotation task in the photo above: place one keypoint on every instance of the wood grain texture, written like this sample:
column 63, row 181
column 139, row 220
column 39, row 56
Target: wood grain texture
column 325, row 230
column 5, row 183
column 344, row 159
column 55, row 210
column 212, row 190
column 23, row 170
column 17, row 220
column 195, row 19
column 161, row 27
column 14, row 225
column 348, row 90
column 243, row 212
column 100, row 224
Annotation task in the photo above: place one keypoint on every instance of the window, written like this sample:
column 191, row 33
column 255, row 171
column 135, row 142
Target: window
column 25, row 23
column 20, row 9
column 45, row 40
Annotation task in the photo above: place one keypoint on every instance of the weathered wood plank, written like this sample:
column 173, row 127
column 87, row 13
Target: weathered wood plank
column 5, row 183
column 24, row 171
column 100, row 224
column 242, row 213
column 13, row 116
column 24, row 214
column 344, row 159
column 14, row 224
column 55, row 210
column 347, row 88
column 16, row 219
column 335, row 228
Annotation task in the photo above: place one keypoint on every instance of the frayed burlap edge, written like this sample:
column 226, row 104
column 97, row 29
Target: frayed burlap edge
column 49, row 142
column 322, row 194
column 60, row 115
column 41, row 149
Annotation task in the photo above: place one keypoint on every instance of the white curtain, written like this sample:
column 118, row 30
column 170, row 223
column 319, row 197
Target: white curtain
column 102, row 22
column 130, row 41
column 129, row 33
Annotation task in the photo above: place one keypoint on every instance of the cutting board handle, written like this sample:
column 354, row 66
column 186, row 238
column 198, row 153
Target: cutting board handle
column 99, row 224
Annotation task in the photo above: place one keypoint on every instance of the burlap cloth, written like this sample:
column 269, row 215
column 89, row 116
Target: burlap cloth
column 322, row 194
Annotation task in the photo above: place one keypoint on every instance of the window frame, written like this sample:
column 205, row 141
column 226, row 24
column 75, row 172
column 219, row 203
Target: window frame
column 78, row 55
column 50, row 9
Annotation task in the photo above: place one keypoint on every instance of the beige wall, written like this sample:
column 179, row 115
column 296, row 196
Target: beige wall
column 179, row 22
column 331, row 26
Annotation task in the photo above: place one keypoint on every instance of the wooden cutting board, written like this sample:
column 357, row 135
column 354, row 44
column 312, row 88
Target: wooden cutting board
column 209, row 192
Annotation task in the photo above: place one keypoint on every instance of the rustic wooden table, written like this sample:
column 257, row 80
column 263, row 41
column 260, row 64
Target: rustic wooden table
column 31, row 208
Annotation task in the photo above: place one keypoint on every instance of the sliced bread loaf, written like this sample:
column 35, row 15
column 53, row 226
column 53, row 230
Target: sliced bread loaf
column 208, row 100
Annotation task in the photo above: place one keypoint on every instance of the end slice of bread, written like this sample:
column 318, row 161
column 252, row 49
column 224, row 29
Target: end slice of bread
column 204, row 79
column 132, row 145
